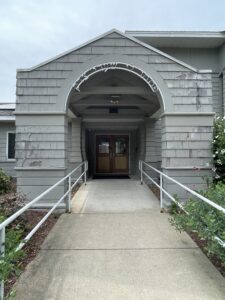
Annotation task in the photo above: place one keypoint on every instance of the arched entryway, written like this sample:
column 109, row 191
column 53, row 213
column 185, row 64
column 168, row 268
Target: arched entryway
column 114, row 109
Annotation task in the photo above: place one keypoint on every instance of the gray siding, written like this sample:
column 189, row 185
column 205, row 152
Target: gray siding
column 46, row 141
column 153, row 143
column 200, row 58
column 217, row 92
column 41, row 154
column 37, row 90
column 75, row 155
column 186, row 150
column 7, row 165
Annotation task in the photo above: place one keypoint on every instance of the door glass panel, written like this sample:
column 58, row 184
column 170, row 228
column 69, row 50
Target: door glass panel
column 103, row 145
column 121, row 146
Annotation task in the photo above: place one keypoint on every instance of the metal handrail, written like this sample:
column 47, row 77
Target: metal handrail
column 31, row 203
column 162, row 190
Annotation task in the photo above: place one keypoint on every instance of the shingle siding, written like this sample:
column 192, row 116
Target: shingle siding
column 47, row 141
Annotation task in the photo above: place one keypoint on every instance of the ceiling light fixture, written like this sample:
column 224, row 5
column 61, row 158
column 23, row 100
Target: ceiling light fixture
column 114, row 99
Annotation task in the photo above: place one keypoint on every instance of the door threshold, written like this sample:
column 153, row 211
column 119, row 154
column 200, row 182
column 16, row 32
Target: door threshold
column 111, row 176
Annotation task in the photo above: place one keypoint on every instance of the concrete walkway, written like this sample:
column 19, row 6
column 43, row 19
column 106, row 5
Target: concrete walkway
column 117, row 245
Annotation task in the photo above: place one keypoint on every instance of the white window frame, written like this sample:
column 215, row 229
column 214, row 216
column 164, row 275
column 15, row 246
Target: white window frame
column 7, row 146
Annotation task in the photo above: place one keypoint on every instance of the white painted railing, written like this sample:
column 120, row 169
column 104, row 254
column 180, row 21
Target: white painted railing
column 143, row 171
column 82, row 167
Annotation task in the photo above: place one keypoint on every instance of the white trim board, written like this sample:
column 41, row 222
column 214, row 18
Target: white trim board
column 7, row 118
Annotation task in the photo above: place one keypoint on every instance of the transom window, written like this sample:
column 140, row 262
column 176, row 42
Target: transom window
column 11, row 138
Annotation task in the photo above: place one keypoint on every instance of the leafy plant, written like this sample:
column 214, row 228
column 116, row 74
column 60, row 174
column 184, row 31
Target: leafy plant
column 204, row 220
column 5, row 182
column 8, row 263
column 218, row 149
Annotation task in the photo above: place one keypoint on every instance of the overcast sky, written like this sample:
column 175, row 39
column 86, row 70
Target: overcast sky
column 32, row 31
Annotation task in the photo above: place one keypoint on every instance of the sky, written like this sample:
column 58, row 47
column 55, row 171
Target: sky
column 32, row 31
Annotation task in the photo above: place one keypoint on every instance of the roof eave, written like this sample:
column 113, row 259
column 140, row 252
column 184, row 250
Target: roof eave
column 189, row 34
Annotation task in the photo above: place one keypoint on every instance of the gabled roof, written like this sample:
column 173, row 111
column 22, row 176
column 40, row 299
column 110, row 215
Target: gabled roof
column 7, row 111
column 7, row 105
column 129, row 37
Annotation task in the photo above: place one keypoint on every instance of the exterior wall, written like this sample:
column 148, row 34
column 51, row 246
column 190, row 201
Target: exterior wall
column 200, row 58
column 42, row 127
column 7, row 165
column 186, row 150
column 40, row 154
column 37, row 90
column 213, row 59
column 217, row 93
column 74, row 141
column 153, row 144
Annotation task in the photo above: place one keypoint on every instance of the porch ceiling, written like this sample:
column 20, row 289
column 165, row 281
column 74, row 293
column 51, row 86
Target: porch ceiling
column 115, row 92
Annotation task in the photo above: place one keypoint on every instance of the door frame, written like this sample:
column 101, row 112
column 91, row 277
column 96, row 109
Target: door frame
column 95, row 153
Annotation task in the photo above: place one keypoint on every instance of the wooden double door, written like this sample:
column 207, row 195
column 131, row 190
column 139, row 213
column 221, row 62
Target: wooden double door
column 112, row 154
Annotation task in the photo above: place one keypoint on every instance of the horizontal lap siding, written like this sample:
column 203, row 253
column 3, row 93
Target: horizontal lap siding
column 153, row 143
column 194, row 179
column 40, row 141
column 33, row 182
column 43, row 143
column 186, row 152
column 186, row 141
column 74, row 153
column 42, row 85
column 217, row 94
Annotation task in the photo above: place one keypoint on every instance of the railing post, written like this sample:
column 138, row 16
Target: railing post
column 141, row 168
column 161, row 192
column 68, row 204
column 85, row 172
column 2, row 254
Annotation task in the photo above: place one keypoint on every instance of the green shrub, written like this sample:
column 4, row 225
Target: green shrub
column 9, row 263
column 218, row 148
column 206, row 221
column 5, row 182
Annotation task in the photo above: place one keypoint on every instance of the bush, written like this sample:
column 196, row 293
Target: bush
column 204, row 220
column 8, row 263
column 14, row 235
column 5, row 182
column 218, row 148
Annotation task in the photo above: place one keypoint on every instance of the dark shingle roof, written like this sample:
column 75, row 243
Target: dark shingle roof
column 6, row 112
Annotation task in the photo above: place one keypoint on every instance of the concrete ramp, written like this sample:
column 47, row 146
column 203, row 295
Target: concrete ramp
column 117, row 245
column 114, row 196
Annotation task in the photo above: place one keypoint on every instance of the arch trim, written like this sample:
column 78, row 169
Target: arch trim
column 114, row 61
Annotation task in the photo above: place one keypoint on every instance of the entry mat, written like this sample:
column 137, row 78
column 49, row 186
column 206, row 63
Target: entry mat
column 111, row 176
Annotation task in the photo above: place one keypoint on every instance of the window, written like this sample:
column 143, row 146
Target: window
column 11, row 138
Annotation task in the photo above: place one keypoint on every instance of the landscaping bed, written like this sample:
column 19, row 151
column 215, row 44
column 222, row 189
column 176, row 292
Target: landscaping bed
column 15, row 262
column 202, row 243
column 32, row 248
column 204, row 223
